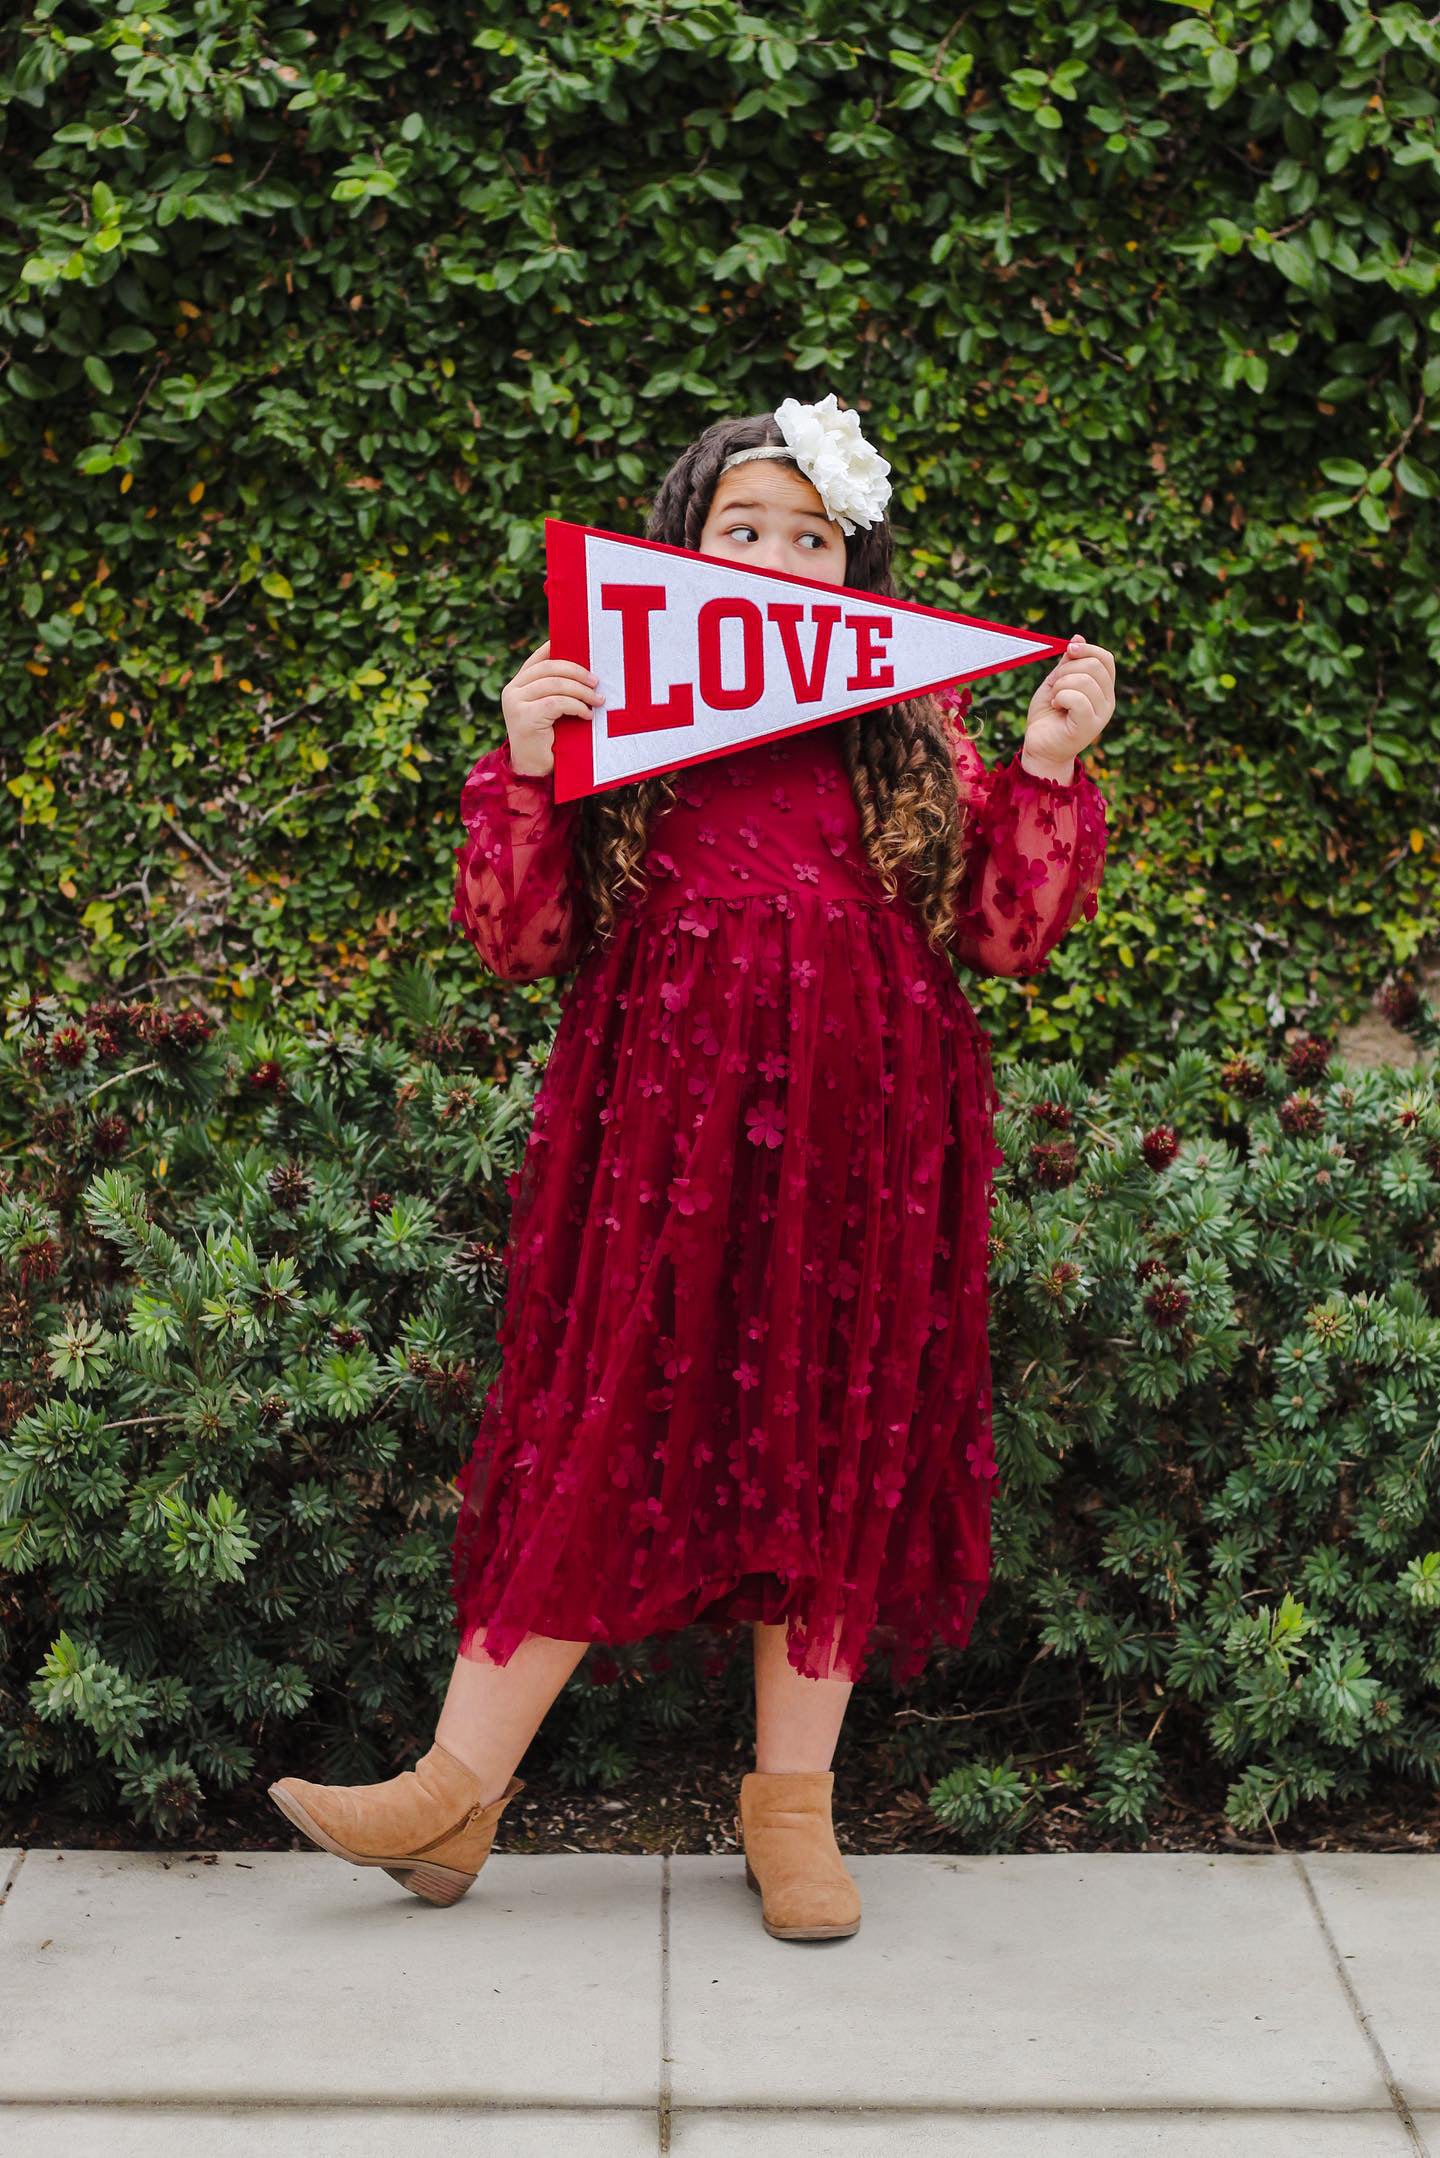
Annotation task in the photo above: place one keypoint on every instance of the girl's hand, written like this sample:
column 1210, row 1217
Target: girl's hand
column 534, row 698
column 1070, row 709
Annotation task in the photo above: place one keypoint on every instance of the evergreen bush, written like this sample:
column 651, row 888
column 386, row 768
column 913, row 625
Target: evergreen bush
column 249, row 1282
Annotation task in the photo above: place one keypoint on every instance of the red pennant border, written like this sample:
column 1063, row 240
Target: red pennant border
column 570, row 639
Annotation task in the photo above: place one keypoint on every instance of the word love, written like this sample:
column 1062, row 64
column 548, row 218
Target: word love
column 861, row 647
column 697, row 655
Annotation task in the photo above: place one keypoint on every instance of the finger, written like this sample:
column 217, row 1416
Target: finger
column 1097, row 664
column 1094, row 666
column 1075, row 703
column 1084, row 676
column 571, row 669
column 551, row 681
column 554, row 708
column 540, row 657
column 558, row 686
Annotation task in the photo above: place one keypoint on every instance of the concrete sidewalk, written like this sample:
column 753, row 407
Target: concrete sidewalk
column 602, row 2006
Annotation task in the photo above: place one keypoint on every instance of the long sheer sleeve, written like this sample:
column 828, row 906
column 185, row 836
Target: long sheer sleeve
column 517, row 896
column 1036, row 857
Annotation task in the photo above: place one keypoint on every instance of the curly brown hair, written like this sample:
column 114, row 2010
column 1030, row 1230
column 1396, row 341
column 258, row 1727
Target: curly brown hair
column 901, row 767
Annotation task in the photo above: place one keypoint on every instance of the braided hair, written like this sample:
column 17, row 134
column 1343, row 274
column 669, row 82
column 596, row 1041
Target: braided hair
column 898, row 756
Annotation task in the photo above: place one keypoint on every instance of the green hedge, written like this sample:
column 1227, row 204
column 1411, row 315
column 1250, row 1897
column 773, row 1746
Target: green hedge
column 250, row 1282
column 312, row 313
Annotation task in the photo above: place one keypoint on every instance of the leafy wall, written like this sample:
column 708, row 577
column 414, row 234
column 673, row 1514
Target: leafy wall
column 311, row 314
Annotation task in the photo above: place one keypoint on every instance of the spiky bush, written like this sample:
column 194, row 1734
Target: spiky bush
column 248, row 1291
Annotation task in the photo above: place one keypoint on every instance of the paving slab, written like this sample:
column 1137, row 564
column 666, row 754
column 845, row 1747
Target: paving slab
column 292, row 1975
column 1104, row 2006
column 321, row 2132
column 1154, row 1979
column 86, row 2131
column 1037, row 2135
column 1383, row 1911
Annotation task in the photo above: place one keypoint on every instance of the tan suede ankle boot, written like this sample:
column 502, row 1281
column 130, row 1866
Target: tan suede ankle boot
column 791, row 1857
column 428, row 1828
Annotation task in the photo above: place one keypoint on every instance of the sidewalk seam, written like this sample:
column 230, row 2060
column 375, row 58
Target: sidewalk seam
column 818, row 2109
column 12, row 1877
column 1337, row 1963
column 664, row 2081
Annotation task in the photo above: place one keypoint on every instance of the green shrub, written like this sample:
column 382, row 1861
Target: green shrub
column 1217, row 1398
column 248, row 1291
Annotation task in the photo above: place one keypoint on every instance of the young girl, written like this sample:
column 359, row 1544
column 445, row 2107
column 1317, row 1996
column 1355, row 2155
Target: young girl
column 745, row 1366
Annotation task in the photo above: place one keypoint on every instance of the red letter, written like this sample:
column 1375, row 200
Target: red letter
column 712, row 689
column 640, row 714
column 871, row 671
column 787, row 613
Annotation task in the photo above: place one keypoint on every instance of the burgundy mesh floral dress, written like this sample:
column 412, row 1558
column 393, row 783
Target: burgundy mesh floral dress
column 745, row 1365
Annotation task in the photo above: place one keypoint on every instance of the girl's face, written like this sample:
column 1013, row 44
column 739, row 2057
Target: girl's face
column 768, row 515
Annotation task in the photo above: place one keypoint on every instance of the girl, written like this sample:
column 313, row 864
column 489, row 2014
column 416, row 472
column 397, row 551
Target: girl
column 745, row 1365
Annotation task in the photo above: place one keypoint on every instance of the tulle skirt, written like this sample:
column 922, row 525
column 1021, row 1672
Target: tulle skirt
column 744, row 1350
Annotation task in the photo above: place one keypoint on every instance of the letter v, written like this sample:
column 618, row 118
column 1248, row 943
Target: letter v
column 786, row 614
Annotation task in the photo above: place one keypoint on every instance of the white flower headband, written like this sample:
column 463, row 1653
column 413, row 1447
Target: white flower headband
column 843, row 468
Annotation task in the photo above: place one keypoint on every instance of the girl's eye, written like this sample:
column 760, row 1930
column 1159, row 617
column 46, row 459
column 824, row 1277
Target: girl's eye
column 816, row 536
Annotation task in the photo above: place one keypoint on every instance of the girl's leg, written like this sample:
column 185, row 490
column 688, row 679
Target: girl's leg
column 797, row 1719
column 492, row 1711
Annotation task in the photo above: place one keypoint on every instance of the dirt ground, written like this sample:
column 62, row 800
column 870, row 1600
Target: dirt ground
column 678, row 1803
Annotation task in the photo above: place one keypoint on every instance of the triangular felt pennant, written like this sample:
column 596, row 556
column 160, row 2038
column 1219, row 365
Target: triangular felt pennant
column 698, row 656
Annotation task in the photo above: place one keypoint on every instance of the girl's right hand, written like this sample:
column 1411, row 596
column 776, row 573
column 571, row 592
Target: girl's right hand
column 534, row 698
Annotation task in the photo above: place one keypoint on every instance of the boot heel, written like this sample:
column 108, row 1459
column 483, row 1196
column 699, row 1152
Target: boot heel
column 436, row 1884
column 750, row 1880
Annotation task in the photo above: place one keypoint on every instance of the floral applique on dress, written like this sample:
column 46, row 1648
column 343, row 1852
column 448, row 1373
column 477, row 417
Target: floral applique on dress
column 745, row 1362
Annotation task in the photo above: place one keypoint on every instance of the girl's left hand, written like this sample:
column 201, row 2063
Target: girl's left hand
column 1072, row 706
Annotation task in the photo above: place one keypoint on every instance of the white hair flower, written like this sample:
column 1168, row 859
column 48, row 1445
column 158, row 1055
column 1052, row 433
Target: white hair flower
column 846, row 471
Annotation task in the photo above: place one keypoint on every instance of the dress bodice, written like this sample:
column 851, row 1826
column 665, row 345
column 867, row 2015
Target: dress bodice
column 774, row 816
column 778, row 819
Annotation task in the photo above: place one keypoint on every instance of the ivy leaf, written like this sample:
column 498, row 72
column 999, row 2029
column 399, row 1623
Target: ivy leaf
column 1224, row 71
column 26, row 383
column 130, row 337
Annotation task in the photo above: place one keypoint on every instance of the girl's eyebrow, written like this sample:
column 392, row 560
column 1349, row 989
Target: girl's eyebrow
column 819, row 519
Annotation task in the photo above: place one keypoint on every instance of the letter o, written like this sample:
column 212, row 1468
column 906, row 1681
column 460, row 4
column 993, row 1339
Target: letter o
column 712, row 688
